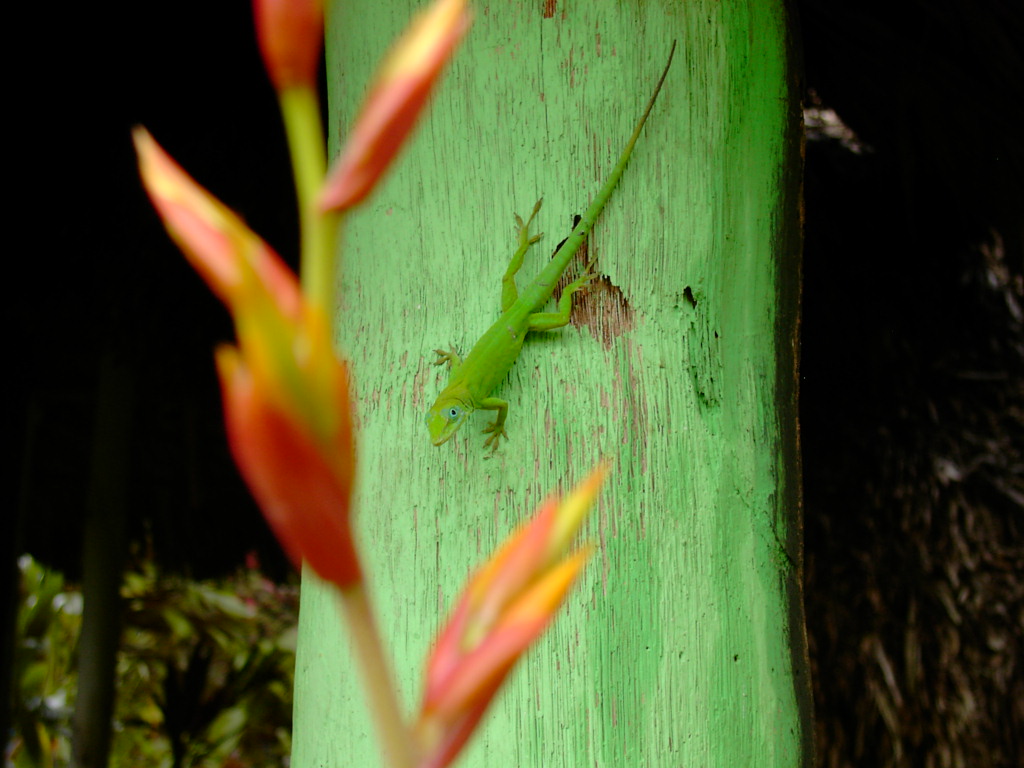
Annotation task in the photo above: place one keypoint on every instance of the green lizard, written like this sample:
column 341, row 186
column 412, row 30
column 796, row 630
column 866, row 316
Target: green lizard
column 472, row 380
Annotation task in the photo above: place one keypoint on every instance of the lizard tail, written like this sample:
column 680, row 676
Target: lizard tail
column 587, row 221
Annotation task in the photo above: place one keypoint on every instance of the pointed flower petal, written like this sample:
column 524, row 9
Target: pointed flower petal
column 290, row 34
column 402, row 86
column 285, row 391
column 503, row 610
column 211, row 235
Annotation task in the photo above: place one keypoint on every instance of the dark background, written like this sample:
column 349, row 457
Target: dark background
column 912, row 343
column 102, row 282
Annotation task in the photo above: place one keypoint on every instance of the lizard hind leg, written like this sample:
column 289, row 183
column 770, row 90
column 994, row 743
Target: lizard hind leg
column 509, row 293
column 547, row 321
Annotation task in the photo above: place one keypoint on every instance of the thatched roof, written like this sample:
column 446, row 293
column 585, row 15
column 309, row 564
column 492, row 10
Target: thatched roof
column 913, row 384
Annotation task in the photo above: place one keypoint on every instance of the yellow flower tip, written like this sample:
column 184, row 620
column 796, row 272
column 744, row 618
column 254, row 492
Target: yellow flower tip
column 573, row 510
column 143, row 141
column 290, row 36
column 160, row 174
column 163, row 178
column 543, row 598
column 229, row 365
column 436, row 29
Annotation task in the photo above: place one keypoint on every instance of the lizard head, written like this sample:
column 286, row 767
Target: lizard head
column 445, row 417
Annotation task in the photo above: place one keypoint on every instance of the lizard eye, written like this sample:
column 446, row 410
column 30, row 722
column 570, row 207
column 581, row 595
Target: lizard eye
column 453, row 413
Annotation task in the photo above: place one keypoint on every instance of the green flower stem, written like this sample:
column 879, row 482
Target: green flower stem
column 319, row 231
column 395, row 737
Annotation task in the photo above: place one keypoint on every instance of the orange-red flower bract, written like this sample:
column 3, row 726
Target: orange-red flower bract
column 403, row 84
column 285, row 391
column 290, row 35
column 505, row 607
column 304, row 497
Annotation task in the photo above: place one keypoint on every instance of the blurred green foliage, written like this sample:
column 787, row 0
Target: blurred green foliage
column 204, row 673
column 49, row 617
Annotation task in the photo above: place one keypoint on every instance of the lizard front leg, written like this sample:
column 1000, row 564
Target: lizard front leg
column 497, row 429
column 509, row 294
column 451, row 357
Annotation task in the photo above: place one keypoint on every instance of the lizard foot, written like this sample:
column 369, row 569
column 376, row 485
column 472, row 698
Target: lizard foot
column 585, row 277
column 524, row 228
column 497, row 432
column 449, row 357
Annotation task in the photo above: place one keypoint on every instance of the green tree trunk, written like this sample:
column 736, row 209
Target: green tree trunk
column 684, row 643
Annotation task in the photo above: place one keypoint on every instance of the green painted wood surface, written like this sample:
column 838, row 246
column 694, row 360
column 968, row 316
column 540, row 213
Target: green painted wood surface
column 683, row 645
